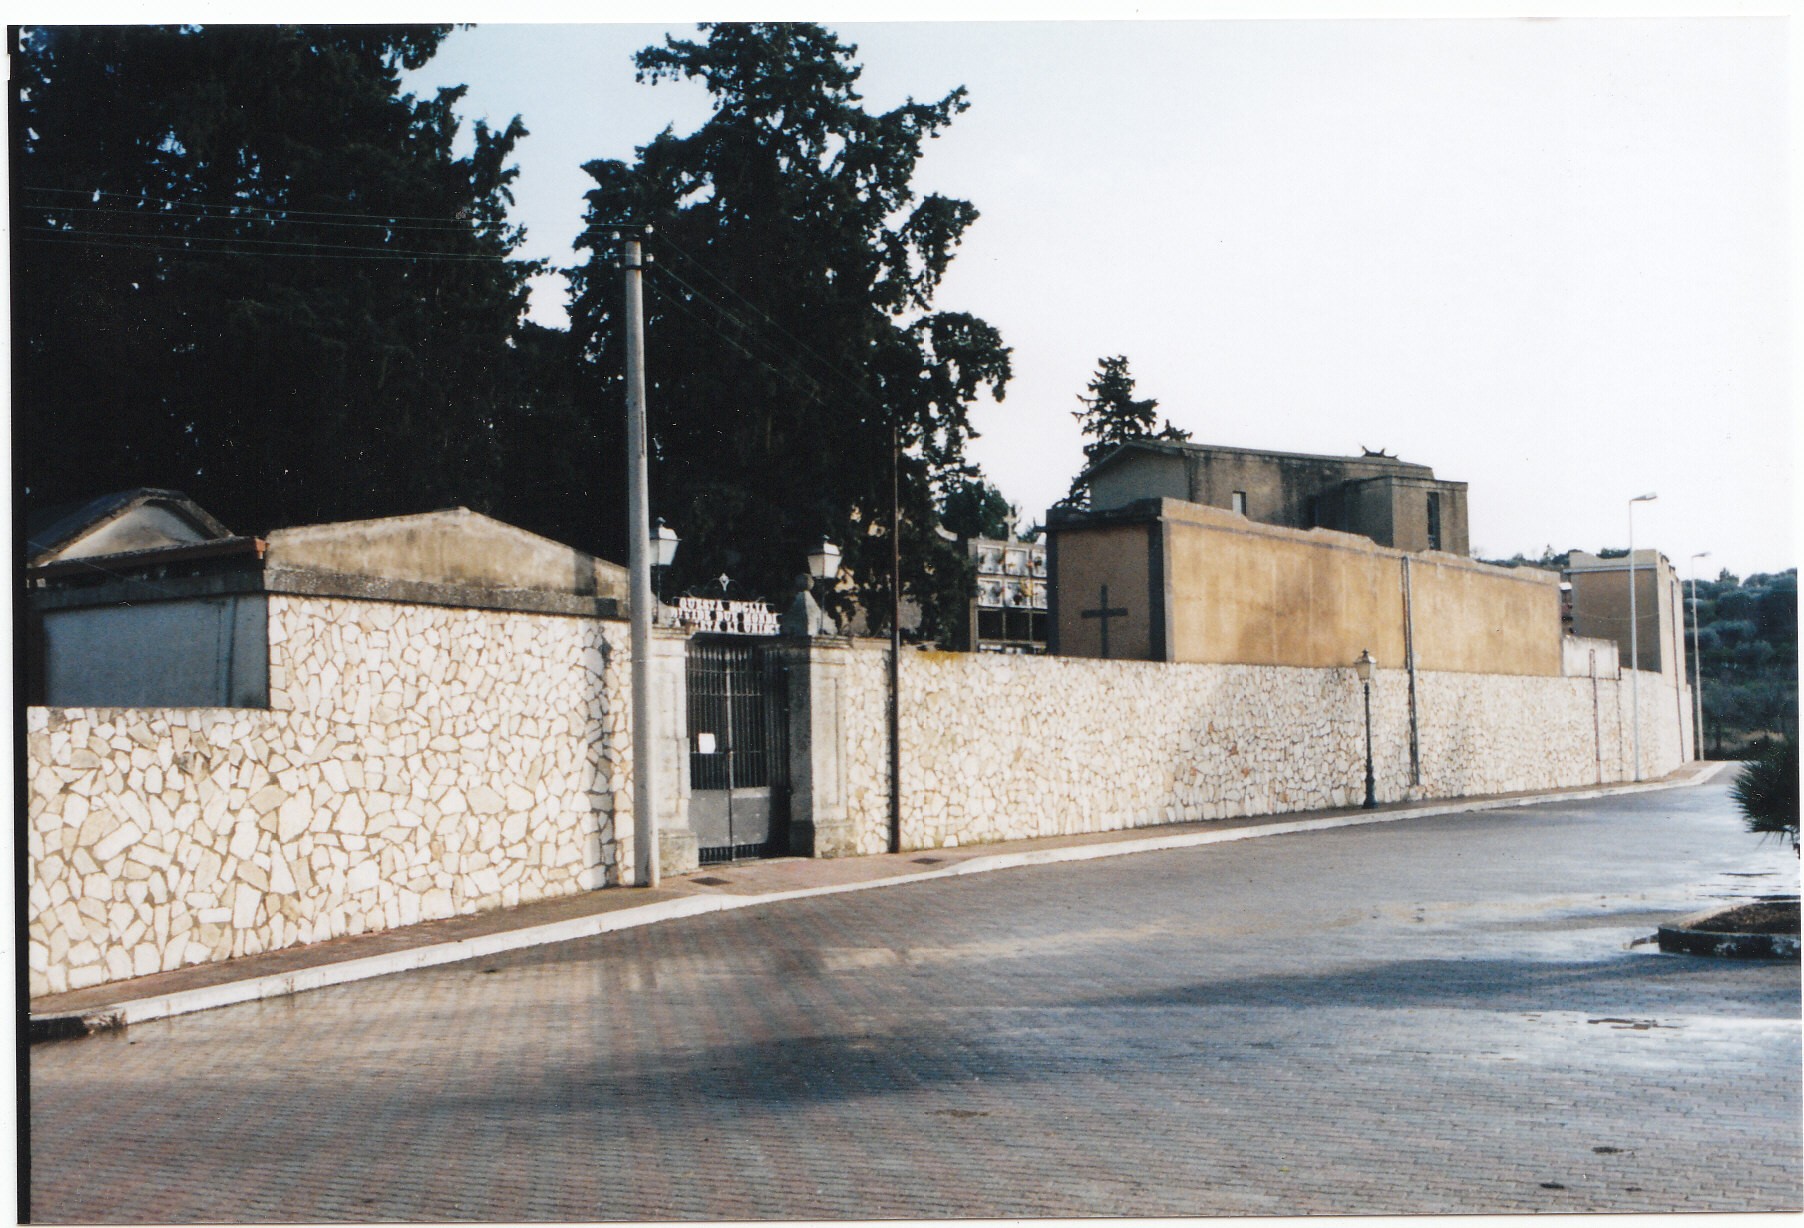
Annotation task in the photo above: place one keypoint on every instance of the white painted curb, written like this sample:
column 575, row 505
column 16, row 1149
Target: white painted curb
column 233, row 993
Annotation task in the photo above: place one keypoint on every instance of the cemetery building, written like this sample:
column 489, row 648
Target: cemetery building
column 1599, row 606
column 1008, row 610
column 1395, row 503
column 142, row 599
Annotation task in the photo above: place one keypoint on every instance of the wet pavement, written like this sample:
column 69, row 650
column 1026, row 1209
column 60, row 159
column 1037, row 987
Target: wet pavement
column 1436, row 1015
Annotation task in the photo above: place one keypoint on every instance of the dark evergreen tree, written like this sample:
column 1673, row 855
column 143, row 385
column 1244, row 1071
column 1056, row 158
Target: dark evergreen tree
column 790, row 322
column 1110, row 417
column 971, row 507
column 248, row 266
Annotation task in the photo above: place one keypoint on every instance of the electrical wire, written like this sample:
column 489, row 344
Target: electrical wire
column 178, row 245
column 91, row 193
column 666, row 241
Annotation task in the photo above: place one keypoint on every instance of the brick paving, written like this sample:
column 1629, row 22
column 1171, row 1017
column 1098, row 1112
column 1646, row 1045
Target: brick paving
column 1440, row 1015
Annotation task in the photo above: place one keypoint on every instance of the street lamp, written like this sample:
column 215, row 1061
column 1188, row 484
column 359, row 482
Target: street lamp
column 1697, row 671
column 664, row 542
column 1363, row 667
column 823, row 561
column 1635, row 633
column 805, row 616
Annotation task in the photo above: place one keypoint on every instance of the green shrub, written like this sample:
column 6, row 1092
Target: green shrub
column 1766, row 790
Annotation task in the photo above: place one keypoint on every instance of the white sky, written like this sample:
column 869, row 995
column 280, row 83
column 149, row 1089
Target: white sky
column 1548, row 258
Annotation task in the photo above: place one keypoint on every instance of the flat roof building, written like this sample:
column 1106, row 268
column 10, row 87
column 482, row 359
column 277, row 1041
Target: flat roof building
column 1394, row 502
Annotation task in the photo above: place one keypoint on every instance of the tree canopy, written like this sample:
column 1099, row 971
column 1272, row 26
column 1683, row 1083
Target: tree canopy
column 790, row 313
column 1111, row 416
column 248, row 266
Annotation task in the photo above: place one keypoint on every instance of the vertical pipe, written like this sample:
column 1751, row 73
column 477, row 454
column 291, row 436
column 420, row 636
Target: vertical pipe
column 1409, row 660
column 1697, row 666
column 638, row 532
column 895, row 639
column 1597, row 719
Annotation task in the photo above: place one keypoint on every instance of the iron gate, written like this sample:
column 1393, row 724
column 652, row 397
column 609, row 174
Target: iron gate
column 738, row 749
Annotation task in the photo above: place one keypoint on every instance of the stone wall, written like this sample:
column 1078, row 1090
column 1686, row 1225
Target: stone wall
column 419, row 761
column 999, row 747
column 415, row 762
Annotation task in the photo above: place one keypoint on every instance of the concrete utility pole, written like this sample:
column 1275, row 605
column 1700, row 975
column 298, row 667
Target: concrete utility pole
column 895, row 639
column 1697, row 668
column 1635, row 634
column 638, row 535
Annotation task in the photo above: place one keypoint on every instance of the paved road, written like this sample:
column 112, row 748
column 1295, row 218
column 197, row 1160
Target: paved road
column 1444, row 1015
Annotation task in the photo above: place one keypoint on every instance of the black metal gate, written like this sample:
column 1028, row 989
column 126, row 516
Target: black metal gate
column 738, row 749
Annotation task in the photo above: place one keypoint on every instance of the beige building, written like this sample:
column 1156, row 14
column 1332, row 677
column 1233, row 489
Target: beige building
column 1394, row 502
column 1599, row 607
column 1167, row 580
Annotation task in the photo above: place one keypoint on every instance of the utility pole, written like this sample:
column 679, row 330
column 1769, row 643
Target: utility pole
column 638, row 533
column 1697, row 666
column 895, row 639
column 1635, row 633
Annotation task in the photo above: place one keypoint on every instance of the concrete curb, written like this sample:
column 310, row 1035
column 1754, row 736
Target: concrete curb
column 255, row 989
column 1683, row 937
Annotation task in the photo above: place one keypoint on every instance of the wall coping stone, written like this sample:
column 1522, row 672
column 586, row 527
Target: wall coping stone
column 292, row 582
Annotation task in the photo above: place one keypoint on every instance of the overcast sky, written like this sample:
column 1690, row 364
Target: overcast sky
column 1548, row 258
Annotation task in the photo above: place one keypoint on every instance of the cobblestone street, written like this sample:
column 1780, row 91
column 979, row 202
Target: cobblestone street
column 1439, row 1015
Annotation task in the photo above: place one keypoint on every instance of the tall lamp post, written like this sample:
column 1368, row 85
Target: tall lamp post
column 1697, row 671
column 1363, row 667
column 1635, row 633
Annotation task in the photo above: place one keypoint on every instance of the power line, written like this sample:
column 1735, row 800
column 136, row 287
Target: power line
column 269, row 217
column 810, row 388
column 665, row 240
column 92, row 193
column 179, row 245
column 193, row 238
column 753, row 331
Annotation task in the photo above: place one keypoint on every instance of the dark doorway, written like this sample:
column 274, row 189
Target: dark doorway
column 738, row 749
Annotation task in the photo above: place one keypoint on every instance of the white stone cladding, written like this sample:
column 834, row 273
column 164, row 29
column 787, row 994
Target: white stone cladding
column 999, row 747
column 416, row 762
column 420, row 761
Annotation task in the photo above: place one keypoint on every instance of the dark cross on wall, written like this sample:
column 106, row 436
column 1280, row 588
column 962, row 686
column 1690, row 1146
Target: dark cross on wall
column 1103, row 614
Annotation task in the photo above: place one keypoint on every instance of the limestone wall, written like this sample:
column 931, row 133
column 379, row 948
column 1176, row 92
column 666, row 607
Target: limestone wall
column 1001, row 747
column 415, row 762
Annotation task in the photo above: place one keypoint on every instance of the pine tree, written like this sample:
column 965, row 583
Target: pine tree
column 1111, row 416
column 790, row 318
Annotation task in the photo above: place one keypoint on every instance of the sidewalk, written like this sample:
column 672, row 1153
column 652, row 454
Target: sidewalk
column 710, row 889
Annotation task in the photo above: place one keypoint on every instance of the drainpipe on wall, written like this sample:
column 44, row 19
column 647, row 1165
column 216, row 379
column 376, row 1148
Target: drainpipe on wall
column 1409, row 662
column 1597, row 719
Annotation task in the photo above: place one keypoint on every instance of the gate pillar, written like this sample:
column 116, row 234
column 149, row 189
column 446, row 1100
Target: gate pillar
column 819, row 823
column 670, row 750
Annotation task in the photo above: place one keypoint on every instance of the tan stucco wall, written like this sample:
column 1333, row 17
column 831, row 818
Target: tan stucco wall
column 1252, row 594
column 1255, row 594
column 1474, row 619
column 1115, row 555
